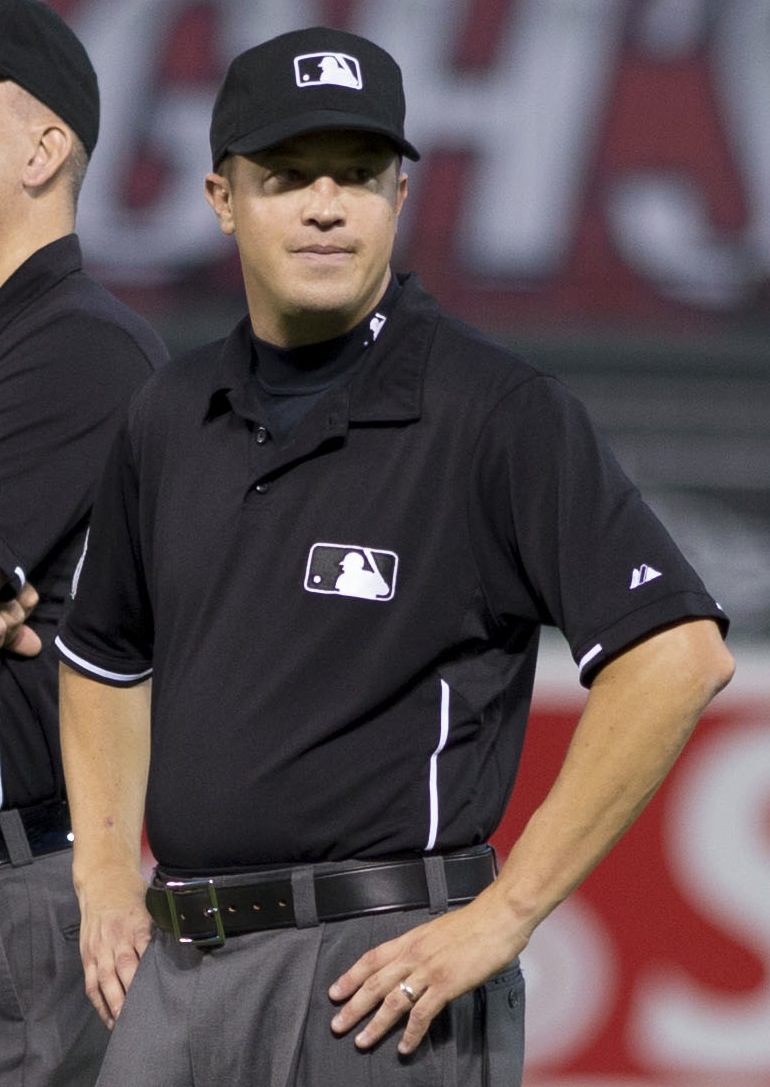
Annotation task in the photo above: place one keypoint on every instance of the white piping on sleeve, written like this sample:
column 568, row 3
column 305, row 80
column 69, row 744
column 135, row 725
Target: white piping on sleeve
column 433, row 776
column 101, row 673
column 589, row 656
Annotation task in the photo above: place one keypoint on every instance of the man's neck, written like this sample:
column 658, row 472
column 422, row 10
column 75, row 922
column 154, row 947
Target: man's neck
column 18, row 245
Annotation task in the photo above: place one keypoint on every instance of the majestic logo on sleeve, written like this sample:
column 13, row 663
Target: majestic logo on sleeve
column 642, row 575
column 351, row 570
column 319, row 69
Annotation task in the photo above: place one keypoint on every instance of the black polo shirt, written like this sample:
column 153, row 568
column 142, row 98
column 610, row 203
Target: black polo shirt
column 342, row 627
column 70, row 357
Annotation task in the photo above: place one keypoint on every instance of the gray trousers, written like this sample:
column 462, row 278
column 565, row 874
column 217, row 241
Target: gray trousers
column 255, row 1013
column 50, row 1035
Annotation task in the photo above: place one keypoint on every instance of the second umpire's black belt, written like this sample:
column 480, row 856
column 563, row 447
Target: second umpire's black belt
column 26, row 833
column 204, row 912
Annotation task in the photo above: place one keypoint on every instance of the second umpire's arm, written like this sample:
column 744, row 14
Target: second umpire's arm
column 15, row 635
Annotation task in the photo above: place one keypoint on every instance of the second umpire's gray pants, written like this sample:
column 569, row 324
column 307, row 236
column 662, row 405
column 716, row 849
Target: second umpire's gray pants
column 255, row 1013
column 50, row 1035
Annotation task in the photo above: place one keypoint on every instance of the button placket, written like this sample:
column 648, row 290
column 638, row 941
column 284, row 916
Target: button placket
column 262, row 437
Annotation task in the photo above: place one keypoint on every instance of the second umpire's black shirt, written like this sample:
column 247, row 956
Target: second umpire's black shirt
column 342, row 625
column 71, row 355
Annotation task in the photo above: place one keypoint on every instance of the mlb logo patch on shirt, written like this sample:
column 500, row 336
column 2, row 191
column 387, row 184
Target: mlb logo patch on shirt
column 323, row 69
column 351, row 570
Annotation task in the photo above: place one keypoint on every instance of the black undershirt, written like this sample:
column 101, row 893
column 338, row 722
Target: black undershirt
column 290, row 381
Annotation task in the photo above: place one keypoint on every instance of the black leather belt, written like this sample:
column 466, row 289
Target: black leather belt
column 204, row 911
column 46, row 826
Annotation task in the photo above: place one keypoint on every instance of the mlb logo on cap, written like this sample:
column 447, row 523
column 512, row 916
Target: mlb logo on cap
column 264, row 99
column 323, row 69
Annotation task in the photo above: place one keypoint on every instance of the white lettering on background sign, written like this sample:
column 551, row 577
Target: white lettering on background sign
column 720, row 851
column 660, row 220
column 530, row 118
column 715, row 834
column 533, row 119
column 569, row 966
column 125, row 39
column 742, row 75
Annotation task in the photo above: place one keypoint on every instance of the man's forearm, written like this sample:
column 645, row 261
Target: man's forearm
column 105, row 737
column 105, row 734
column 638, row 716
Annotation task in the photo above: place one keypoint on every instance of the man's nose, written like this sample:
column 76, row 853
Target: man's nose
column 324, row 204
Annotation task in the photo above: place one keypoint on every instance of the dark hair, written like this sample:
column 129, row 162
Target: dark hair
column 75, row 168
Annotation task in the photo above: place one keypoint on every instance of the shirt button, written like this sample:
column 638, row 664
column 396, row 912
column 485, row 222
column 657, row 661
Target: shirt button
column 261, row 435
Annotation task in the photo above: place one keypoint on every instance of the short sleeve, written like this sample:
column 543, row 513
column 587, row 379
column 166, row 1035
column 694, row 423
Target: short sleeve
column 107, row 633
column 62, row 399
column 564, row 537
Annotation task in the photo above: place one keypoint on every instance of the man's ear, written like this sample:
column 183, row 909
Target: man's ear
column 220, row 196
column 402, row 192
column 52, row 147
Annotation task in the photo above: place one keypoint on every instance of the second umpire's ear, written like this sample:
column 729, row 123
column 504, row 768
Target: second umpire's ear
column 218, row 192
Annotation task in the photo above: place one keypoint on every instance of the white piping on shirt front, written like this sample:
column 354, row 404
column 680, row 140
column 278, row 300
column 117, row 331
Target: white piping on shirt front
column 433, row 775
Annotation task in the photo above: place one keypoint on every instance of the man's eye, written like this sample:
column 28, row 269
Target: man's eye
column 359, row 175
column 284, row 177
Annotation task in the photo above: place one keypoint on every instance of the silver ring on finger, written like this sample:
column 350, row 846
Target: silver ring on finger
column 408, row 992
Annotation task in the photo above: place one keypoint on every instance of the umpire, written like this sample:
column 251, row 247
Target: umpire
column 70, row 357
column 332, row 539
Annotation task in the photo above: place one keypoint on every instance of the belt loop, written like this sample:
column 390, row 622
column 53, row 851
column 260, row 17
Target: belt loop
column 15, row 836
column 435, row 877
column 303, row 895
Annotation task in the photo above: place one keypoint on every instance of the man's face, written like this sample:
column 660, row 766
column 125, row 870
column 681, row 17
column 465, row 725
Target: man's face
column 315, row 220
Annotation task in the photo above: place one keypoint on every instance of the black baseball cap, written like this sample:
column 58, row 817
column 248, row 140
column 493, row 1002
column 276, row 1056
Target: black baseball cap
column 40, row 52
column 305, row 81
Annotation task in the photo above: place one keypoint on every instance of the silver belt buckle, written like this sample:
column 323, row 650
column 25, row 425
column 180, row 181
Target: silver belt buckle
column 176, row 889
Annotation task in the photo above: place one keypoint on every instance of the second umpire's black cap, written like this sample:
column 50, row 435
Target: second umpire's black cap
column 305, row 81
column 41, row 53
